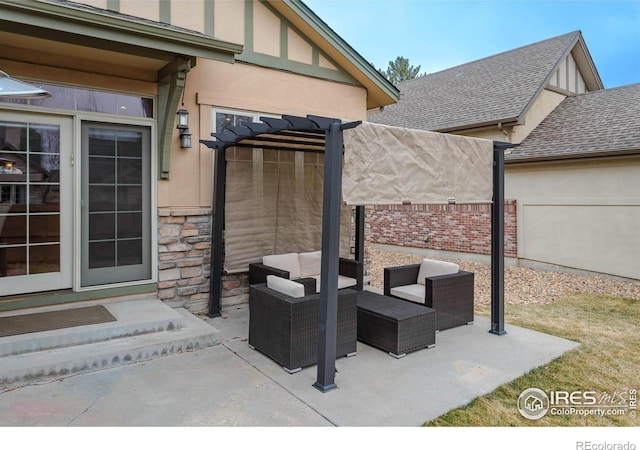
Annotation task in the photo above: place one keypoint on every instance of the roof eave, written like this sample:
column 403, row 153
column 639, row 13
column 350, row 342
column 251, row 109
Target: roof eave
column 511, row 121
column 572, row 156
column 69, row 22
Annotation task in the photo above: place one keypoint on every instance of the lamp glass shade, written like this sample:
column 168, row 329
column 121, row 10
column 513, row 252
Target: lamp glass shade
column 185, row 140
column 10, row 87
column 183, row 119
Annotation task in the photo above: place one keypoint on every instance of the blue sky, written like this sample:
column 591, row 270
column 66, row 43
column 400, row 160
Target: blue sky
column 438, row 34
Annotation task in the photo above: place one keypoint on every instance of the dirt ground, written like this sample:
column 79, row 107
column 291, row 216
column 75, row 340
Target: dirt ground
column 521, row 285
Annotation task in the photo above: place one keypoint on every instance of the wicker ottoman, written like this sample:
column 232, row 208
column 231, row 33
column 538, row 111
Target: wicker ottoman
column 393, row 325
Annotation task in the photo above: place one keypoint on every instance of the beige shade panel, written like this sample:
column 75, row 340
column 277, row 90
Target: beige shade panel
column 385, row 165
column 274, row 206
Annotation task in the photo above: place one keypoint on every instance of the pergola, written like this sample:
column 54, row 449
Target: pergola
column 325, row 135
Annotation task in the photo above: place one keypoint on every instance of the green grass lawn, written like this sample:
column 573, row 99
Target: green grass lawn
column 607, row 362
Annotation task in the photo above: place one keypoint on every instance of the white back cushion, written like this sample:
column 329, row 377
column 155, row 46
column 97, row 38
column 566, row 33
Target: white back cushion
column 432, row 268
column 287, row 261
column 284, row 286
column 310, row 263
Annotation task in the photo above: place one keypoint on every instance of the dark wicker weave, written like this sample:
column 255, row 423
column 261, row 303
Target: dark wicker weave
column 452, row 296
column 393, row 325
column 347, row 267
column 286, row 328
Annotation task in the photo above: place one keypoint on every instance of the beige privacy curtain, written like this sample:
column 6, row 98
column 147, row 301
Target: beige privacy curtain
column 385, row 165
column 274, row 205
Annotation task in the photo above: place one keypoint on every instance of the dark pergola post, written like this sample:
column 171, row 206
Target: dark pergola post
column 328, row 327
column 217, row 234
column 497, row 240
column 359, row 256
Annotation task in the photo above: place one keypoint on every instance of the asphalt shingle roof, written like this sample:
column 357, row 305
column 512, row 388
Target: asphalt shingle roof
column 600, row 122
column 490, row 90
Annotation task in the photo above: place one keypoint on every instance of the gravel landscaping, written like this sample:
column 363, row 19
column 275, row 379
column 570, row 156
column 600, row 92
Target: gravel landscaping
column 521, row 285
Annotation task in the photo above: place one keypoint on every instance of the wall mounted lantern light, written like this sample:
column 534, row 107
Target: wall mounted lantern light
column 183, row 128
column 10, row 87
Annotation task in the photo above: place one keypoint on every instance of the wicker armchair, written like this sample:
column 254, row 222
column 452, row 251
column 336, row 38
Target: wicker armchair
column 285, row 328
column 451, row 295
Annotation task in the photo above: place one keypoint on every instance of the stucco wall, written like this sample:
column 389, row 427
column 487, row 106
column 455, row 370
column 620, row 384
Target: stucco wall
column 579, row 215
column 244, row 87
column 541, row 107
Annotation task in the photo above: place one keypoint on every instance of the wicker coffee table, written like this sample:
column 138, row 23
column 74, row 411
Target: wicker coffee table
column 393, row 325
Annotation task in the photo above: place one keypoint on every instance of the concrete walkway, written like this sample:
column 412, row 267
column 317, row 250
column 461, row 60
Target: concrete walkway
column 231, row 385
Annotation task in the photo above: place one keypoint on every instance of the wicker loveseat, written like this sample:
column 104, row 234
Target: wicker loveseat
column 437, row 284
column 285, row 328
column 305, row 266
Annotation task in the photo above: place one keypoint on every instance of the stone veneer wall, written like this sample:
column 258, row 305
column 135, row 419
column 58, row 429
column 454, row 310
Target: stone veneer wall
column 184, row 257
column 457, row 228
column 184, row 261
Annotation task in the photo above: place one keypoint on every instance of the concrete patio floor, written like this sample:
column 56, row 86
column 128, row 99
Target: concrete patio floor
column 231, row 385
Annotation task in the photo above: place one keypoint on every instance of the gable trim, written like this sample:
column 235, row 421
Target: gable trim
column 594, row 82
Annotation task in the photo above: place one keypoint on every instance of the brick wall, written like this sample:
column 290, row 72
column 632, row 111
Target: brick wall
column 456, row 228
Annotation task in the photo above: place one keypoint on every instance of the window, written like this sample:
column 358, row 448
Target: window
column 76, row 99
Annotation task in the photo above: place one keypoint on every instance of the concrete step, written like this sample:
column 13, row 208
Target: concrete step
column 145, row 328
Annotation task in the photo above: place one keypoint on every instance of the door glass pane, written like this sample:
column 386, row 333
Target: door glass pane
column 44, row 258
column 102, row 254
column 102, row 170
column 102, row 226
column 13, row 261
column 29, row 198
column 130, row 225
column 129, row 252
column 115, row 194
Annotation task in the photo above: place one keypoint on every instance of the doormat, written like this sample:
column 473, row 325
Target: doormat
column 54, row 320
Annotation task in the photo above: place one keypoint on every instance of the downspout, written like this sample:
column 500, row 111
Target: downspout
column 505, row 132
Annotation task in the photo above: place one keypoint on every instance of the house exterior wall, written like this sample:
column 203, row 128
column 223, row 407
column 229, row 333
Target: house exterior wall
column 290, row 76
column 546, row 102
column 573, row 214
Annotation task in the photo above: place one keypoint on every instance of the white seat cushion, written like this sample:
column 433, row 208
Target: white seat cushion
column 284, row 286
column 310, row 263
column 413, row 292
column 346, row 282
column 287, row 261
column 432, row 268
column 343, row 282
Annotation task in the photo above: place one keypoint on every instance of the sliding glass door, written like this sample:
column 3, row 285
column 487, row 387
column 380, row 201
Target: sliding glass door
column 35, row 203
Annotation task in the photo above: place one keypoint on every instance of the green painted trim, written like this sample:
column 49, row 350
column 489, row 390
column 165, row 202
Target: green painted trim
column 283, row 63
column 170, row 87
column 248, row 25
column 88, row 27
column 284, row 39
column 61, row 297
column 343, row 47
column 165, row 11
column 297, row 67
column 113, row 5
column 209, row 18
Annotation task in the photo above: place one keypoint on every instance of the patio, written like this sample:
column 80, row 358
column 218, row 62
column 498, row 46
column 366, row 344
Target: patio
column 228, row 384
column 375, row 389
